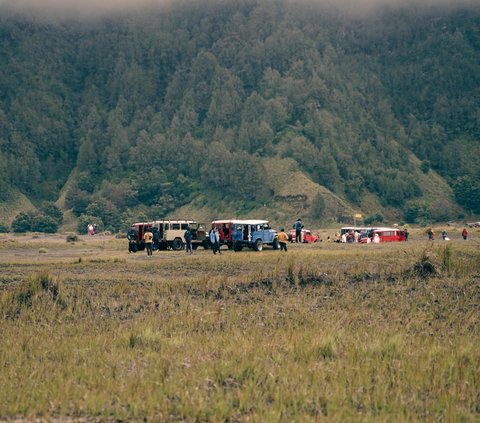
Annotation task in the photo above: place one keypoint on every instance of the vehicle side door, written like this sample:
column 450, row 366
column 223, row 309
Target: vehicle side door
column 256, row 233
column 386, row 236
column 237, row 230
column 264, row 233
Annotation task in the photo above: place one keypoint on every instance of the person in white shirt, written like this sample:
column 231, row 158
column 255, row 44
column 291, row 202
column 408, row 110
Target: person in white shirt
column 215, row 240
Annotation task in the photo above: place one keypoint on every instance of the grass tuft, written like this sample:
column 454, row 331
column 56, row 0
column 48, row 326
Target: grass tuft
column 448, row 257
column 425, row 267
column 325, row 350
column 72, row 238
column 39, row 291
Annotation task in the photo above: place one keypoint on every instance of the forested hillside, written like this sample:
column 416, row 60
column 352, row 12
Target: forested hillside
column 137, row 115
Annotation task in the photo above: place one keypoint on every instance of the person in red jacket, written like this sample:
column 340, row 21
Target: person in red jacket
column 465, row 233
column 431, row 234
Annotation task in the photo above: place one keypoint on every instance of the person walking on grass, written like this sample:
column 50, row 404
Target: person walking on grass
column 188, row 240
column 464, row 234
column 148, row 239
column 283, row 240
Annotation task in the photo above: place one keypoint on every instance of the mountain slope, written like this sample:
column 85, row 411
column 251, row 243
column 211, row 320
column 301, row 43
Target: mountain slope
column 191, row 105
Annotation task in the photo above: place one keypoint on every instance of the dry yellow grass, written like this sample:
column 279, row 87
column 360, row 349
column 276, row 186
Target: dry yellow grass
column 325, row 332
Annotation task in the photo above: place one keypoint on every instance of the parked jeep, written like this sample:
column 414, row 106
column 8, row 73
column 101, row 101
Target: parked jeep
column 167, row 234
column 254, row 234
column 307, row 236
column 135, row 236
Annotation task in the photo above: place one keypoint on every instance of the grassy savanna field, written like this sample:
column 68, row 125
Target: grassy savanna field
column 326, row 332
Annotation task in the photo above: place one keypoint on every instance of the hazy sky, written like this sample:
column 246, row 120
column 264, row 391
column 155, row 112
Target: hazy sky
column 75, row 7
column 102, row 7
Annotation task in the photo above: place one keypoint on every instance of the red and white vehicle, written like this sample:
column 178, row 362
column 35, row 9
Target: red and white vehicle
column 383, row 235
column 351, row 229
column 307, row 236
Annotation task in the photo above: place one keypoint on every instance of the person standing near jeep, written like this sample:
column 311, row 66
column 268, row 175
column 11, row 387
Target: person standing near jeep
column 283, row 239
column 298, row 230
column 148, row 239
column 156, row 239
column 215, row 240
column 188, row 240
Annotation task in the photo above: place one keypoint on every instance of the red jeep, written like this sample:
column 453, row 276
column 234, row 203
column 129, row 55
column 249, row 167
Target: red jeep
column 135, row 236
column 384, row 235
column 307, row 236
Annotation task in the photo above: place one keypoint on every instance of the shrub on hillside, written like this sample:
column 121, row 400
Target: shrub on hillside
column 106, row 211
column 417, row 212
column 425, row 166
column 77, row 200
column 318, row 206
column 42, row 223
column 372, row 219
column 51, row 210
column 467, row 192
column 34, row 221
column 22, row 222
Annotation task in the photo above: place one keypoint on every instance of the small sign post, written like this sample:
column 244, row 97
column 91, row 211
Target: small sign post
column 355, row 217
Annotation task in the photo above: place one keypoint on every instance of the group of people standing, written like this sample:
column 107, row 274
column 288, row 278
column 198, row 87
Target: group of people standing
column 214, row 237
column 283, row 238
column 431, row 234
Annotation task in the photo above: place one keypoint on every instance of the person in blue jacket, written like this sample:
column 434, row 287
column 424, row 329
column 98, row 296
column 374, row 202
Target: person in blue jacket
column 298, row 230
column 188, row 240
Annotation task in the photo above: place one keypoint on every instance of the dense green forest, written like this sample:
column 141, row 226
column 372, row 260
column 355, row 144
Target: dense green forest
column 139, row 114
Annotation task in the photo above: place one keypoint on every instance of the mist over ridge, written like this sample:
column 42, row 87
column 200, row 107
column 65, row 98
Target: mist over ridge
column 58, row 9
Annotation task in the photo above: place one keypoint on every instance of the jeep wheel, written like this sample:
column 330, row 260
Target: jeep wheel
column 177, row 244
column 206, row 244
column 276, row 244
column 258, row 245
column 237, row 246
